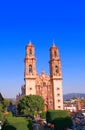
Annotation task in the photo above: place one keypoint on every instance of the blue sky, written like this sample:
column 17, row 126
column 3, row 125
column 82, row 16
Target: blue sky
column 42, row 22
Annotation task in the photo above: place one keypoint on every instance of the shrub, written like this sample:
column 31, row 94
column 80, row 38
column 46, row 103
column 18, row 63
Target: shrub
column 59, row 118
column 17, row 123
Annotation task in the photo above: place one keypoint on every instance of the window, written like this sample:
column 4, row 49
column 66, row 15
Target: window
column 30, row 51
column 55, row 53
column 58, row 100
column 58, row 94
column 30, row 68
column 56, row 69
column 30, row 88
column 59, row 107
column 58, row 88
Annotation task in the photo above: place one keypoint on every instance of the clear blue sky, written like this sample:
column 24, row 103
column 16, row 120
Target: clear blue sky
column 42, row 22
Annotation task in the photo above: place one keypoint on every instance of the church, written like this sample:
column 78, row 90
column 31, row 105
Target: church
column 49, row 87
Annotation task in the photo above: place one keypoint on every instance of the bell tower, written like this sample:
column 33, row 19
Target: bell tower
column 56, row 77
column 30, row 70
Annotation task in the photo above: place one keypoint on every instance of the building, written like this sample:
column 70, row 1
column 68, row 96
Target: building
column 49, row 87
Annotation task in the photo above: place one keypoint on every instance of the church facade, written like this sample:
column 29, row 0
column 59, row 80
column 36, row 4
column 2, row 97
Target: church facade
column 47, row 86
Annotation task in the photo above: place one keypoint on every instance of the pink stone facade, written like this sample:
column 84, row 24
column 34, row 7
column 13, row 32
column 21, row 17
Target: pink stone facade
column 47, row 86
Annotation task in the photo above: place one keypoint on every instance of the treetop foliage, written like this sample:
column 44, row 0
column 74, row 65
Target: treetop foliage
column 31, row 104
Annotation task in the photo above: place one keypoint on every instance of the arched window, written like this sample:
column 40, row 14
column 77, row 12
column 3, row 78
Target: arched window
column 59, row 107
column 30, row 68
column 30, row 51
column 58, row 88
column 56, row 69
column 58, row 100
column 58, row 94
column 55, row 53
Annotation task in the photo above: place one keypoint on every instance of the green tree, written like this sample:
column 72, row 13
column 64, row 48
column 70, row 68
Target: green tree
column 5, row 103
column 32, row 104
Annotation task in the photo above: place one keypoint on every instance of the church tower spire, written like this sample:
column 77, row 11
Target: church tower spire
column 30, row 69
column 56, row 77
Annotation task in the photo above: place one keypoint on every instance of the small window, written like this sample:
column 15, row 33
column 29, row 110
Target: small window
column 30, row 88
column 59, row 107
column 58, row 94
column 58, row 88
column 58, row 100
